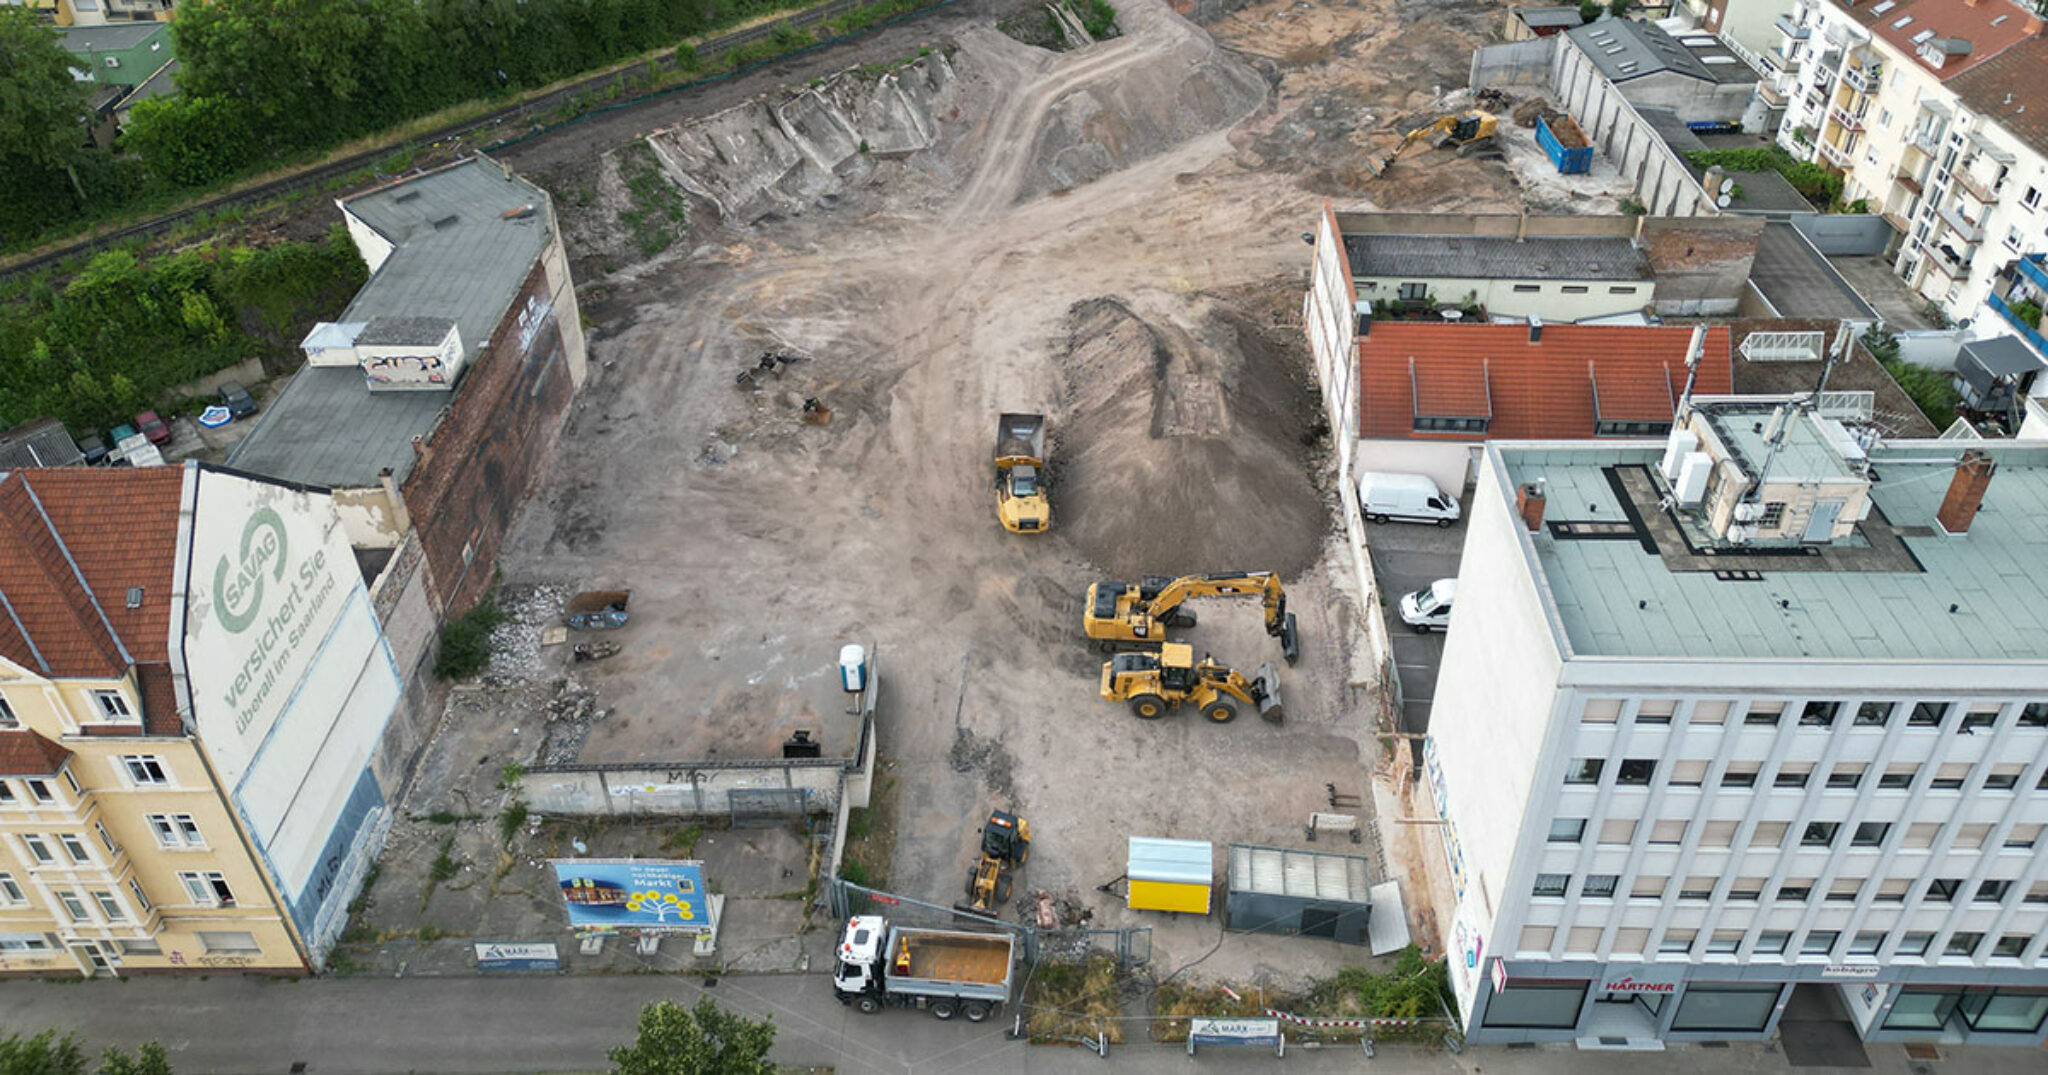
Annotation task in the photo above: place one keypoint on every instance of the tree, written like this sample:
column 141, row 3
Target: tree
column 149, row 1059
column 48, row 1054
column 191, row 141
column 1617, row 8
column 1589, row 10
column 42, row 127
column 704, row 1040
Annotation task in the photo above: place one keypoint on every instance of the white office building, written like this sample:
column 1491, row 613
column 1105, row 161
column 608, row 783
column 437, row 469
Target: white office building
column 1751, row 720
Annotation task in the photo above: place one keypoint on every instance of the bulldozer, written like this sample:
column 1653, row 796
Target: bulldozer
column 1005, row 845
column 1153, row 683
column 1465, row 132
column 1118, row 613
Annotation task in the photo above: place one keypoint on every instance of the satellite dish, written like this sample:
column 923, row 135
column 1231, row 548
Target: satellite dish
column 1724, row 201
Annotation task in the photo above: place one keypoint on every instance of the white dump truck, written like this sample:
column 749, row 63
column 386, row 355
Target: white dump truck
column 947, row 972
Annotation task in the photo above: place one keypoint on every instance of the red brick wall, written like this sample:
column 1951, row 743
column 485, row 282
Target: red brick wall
column 484, row 457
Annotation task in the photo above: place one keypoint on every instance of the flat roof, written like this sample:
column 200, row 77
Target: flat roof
column 1625, row 49
column 328, row 429
column 1635, row 595
column 113, row 37
column 1497, row 258
column 1798, row 281
column 1804, row 453
column 1549, row 16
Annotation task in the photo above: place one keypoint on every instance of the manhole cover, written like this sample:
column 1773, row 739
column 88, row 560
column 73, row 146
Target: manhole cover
column 1922, row 1050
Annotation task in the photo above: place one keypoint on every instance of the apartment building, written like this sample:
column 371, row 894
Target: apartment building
column 1922, row 106
column 191, row 686
column 1749, row 719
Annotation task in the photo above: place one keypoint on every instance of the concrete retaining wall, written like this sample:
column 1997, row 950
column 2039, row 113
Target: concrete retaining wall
column 679, row 789
column 1518, row 63
column 248, row 372
column 1622, row 135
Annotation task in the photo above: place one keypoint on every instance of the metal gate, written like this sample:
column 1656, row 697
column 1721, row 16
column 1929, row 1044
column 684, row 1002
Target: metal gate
column 766, row 807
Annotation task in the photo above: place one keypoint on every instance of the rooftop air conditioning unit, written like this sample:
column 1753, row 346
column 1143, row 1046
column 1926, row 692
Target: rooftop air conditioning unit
column 1681, row 443
column 1691, row 486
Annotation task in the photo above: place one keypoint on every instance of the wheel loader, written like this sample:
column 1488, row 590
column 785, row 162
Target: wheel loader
column 1153, row 683
column 1005, row 845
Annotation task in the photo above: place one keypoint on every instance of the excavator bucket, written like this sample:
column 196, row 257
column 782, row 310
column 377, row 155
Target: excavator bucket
column 1290, row 640
column 1266, row 691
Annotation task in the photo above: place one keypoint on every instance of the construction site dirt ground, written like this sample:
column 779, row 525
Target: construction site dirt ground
column 1109, row 235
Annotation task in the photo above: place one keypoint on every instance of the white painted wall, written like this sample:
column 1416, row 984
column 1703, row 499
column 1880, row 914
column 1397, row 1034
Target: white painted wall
column 1448, row 463
column 1555, row 301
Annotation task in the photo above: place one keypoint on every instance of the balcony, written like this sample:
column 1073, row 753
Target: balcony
column 1848, row 120
column 1834, row 153
column 1797, row 31
column 2025, row 331
column 1924, row 141
column 1772, row 95
column 2031, row 270
column 1900, row 222
column 1966, row 183
column 1909, row 181
column 1862, row 78
column 1954, row 263
column 1968, row 230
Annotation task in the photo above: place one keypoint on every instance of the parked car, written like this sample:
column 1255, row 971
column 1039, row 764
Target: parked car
column 1409, row 498
column 121, row 432
column 149, row 425
column 237, row 400
column 1429, row 609
column 93, row 447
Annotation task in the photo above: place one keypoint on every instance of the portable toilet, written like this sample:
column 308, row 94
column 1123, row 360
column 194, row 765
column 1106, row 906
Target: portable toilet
column 1169, row 875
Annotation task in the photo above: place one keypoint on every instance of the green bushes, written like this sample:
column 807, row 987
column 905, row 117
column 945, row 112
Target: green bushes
column 2027, row 311
column 1813, row 182
column 1929, row 390
column 1098, row 18
column 466, row 642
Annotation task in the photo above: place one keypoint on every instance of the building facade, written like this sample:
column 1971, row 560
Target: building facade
column 1694, row 763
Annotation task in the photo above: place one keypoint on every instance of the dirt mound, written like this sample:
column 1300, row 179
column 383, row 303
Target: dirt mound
column 1184, row 443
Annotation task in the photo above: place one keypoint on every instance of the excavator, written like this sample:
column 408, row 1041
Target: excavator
column 1120, row 613
column 1464, row 132
column 1152, row 683
column 1005, row 845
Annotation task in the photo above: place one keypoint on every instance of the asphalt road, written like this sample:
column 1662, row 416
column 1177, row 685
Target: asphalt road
column 1406, row 557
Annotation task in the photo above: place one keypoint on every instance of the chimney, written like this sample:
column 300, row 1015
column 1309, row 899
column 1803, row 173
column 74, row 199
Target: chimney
column 1535, row 329
column 1965, row 492
column 1529, row 504
column 1972, row 3
column 2034, row 24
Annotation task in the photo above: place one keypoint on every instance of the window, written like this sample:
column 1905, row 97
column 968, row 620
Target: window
column 113, row 705
column 1527, row 289
column 74, row 847
column 1697, row 888
column 1739, row 774
column 144, row 769
column 1894, row 889
column 2023, row 835
column 1601, row 711
column 175, row 830
column 1819, row 942
column 1846, row 775
column 2012, row 945
column 1772, row 942
column 106, row 838
column 110, row 908
column 1677, row 941
column 1619, row 830
column 1567, row 830
column 1719, row 834
column 1874, row 714
column 2033, row 715
column 1584, row 771
column 212, row 941
column 141, row 897
column 1898, row 777
column 1669, row 831
column 1927, row 714
column 1575, row 289
column 1818, row 714
column 1819, row 833
column 6, row 793
column 1769, row 834
column 1844, row 889
column 38, row 849
column 1943, row 889
column 1433, row 424
column 23, row 942
column 2013, row 238
column 208, row 888
column 1922, row 833
column 1537, row 938
column 1962, row 943
column 1688, row 774
column 1648, row 888
column 1656, row 711
column 2003, row 777
column 1972, row 836
column 1713, row 712
column 1773, row 516
column 1630, row 941
column 1866, row 942
column 2007, row 1009
column 1726, row 1006
column 1582, row 939
column 1414, row 292
column 1951, row 775
column 1617, row 289
column 10, row 890
column 74, row 908
column 1992, row 890
column 1539, row 1005
column 1795, row 891
column 1635, row 771
column 1870, row 833
column 1552, row 884
column 141, row 948
column 1746, row 889
column 1764, row 713
column 2032, row 198
column 1792, row 774
column 7, row 717
column 1979, row 716
column 39, row 791
column 1599, row 886
column 71, row 781
column 1914, row 944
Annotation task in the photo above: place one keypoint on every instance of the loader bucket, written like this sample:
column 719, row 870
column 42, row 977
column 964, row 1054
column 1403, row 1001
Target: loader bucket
column 1266, row 689
column 1290, row 640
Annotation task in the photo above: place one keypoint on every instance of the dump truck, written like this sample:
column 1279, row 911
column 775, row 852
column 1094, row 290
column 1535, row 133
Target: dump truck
column 946, row 972
column 1020, row 474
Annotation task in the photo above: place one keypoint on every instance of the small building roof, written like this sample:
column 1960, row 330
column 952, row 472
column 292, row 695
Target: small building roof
column 164, row 83
column 1539, row 17
column 1624, row 49
column 1797, row 280
column 43, row 442
column 405, row 331
column 112, row 37
column 2003, row 356
column 327, row 429
column 26, row 753
column 1311, row 875
column 1555, row 387
column 1183, row 862
column 1497, row 258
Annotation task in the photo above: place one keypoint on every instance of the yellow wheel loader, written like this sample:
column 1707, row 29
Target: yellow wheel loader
column 1153, row 683
column 1005, row 845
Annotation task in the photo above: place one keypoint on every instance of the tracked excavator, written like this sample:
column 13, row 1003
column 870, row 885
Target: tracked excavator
column 1119, row 614
column 1005, row 845
column 1466, row 132
column 1153, row 683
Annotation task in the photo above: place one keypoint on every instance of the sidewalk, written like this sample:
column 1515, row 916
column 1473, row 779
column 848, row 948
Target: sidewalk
column 376, row 1026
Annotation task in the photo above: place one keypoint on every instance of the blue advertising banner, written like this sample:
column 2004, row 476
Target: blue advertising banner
column 638, row 895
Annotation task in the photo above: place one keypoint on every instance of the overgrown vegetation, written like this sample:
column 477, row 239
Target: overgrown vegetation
column 1929, row 390
column 1097, row 17
column 660, row 213
column 871, row 836
column 1416, row 988
column 48, row 1054
column 466, row 642
column 1813, row 182
column 1070, row 1001
column 2028, row 311
column 513, row 817
column 683, row 841
column 123, row 332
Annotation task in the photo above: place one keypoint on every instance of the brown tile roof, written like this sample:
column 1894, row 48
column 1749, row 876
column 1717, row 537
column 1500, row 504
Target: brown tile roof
column 1972, row 22
column 2012, row 89
column 25, row 753
column 1541, row 390
column 73, row 543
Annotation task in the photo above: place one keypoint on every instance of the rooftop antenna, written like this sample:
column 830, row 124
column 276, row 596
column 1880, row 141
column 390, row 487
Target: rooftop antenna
column 1693, row 351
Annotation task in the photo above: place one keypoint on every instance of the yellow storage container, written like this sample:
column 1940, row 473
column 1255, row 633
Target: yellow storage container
column 1169, row 875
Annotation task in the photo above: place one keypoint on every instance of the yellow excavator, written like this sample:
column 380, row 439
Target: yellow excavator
column 1119, row 613
column 1464, row 132
column 1005, row 845
column 1153, row 683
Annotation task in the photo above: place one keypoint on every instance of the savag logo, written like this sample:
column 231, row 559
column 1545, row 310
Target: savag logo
column 238, row 588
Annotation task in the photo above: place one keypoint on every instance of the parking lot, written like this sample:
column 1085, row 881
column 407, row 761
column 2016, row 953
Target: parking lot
column 1407, row 557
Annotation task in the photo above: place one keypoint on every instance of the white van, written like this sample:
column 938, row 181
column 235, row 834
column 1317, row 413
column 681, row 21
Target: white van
column 1429, row 609
column 1409, row 498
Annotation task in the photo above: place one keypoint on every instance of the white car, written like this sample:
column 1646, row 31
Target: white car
column 1429, row 609
column 1409, row 498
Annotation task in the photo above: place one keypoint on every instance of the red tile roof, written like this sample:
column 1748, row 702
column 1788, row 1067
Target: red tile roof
column 1542, row 390
column 73, row 543
column 1948, row 19
column 2011, row 89
column 24, row 753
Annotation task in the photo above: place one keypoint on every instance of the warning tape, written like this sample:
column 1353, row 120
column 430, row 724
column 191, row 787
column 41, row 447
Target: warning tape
column 1352, row 1024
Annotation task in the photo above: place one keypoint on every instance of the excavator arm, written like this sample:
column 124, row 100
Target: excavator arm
column 1279, row 622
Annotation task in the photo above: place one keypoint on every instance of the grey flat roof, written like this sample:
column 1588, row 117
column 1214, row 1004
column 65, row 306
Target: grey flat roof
column 2003, row 355
column 1549, row 16
column 327, row 429
column 1619, row 598
column 413, row 331
column 112, row 37
column 1799, row 282
column 1490, row 258
column 1624, row 49
column 43, row 442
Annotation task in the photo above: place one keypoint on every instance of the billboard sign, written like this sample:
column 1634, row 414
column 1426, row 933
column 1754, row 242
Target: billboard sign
column 634, row 895
column 506, row 956
column 1260, row 1032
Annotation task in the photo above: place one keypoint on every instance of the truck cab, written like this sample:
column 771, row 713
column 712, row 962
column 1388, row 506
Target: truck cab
column 1020, row 474
column 855, row 979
